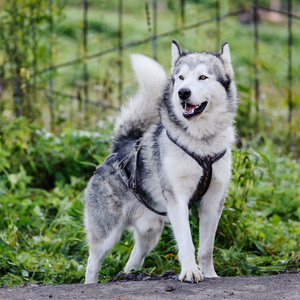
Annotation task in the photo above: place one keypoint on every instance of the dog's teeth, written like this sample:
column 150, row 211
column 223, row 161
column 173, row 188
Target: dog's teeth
column 190, row 109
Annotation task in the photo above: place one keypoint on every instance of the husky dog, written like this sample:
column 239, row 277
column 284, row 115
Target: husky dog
column 171, row 149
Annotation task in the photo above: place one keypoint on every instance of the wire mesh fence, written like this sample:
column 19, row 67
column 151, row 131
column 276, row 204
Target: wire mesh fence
column 83, row 87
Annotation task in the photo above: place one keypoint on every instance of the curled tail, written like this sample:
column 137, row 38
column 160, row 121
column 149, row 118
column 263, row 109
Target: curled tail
column 141, row 111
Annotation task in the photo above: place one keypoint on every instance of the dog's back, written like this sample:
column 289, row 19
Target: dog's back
column 141, row 111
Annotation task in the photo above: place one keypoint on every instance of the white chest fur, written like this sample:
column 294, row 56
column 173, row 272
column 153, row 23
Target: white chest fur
column 183, row 172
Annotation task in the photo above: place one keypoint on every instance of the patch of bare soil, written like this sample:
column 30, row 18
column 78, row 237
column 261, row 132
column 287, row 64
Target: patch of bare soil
column 137, row 286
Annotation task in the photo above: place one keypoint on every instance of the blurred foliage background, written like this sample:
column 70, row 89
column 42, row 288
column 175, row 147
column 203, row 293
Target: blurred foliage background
column 63, row 78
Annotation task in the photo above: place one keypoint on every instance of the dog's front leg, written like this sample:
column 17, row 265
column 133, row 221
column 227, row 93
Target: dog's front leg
column 209, row 215
column 179, row 217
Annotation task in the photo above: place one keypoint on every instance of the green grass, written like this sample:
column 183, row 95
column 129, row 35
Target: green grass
column 43, row 174
column 41, row 229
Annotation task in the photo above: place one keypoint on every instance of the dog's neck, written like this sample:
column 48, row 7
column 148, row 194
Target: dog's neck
column 203, row 145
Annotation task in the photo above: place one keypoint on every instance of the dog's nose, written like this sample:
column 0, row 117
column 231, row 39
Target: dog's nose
column 184, row 93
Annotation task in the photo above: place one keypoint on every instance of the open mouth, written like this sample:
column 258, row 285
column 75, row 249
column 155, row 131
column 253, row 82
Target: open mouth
column 192, row 110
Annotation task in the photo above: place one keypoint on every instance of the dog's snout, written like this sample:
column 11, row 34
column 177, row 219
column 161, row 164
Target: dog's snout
column 184, row 93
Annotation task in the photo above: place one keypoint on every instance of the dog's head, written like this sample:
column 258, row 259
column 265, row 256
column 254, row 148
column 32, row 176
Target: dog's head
column 203, row 86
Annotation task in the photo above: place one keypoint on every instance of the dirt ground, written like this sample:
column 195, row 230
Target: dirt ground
column 283, row 286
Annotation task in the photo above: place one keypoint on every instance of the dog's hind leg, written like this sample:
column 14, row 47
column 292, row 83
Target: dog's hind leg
column 99, row 248
column 145, row 241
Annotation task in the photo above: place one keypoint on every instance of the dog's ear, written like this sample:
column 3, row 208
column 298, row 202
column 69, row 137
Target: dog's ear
column 176, row 52
column 224, row 54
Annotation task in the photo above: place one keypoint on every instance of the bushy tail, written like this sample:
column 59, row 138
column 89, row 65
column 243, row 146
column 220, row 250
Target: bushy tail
column 141, row 111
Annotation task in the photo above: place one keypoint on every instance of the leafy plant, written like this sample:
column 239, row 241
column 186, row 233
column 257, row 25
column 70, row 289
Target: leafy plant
column 44, row 159
column 42, row 236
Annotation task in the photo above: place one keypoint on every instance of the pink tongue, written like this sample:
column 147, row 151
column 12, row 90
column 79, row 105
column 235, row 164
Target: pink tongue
column 189, row 108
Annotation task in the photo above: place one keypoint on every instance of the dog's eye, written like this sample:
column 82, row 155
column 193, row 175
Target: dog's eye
column 181, row 77
column 202, row 77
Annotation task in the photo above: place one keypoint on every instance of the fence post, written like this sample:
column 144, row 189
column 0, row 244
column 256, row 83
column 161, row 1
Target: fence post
column 256, row 55
column 290, row 72
column 50, row 98
column 34, row 51
column 120, row 46
column 154, row 41
column 218, row 24
column 182, row 12
column 16, row 57
column 85, row 65
column 148, row 17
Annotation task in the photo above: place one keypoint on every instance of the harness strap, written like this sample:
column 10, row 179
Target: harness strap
column 131, row 181
column 202, row 186
column 206, row 164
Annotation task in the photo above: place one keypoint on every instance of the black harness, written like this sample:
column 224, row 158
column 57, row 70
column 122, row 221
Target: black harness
column 206, row 164
column 129, row 177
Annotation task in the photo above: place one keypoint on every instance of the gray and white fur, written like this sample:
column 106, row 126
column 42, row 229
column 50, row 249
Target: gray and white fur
column 197, row 106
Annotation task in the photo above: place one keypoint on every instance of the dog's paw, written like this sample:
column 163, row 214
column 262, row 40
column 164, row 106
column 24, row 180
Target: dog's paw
column 210, row 275
column 193, row 274
column 208, row 272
